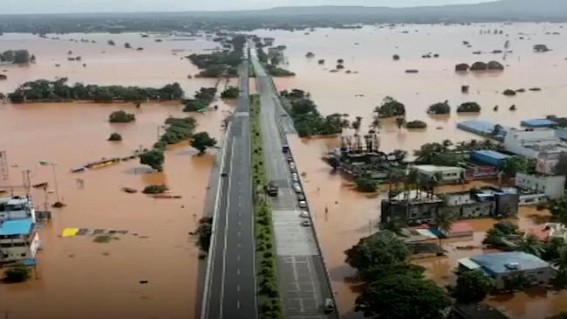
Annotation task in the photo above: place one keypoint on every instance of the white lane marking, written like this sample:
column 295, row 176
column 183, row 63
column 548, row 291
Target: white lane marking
column 238, row 272
column 238, row 258
column 237, row 287
column 238, row 304
column 239, row 224
column 239, row 245
column 238, row 234
column 226, row 234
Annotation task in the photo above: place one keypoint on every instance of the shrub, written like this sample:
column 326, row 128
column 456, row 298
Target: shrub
column 468, row 107
column 19, row 273
column 416, row 124
column 462, row 67
column 121, row 117
column 115, row 137
column 439, row 108
column 155, row 189
column 509, row 92
column 390, row 108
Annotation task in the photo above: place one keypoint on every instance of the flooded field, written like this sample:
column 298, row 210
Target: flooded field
column 78, row 278
column 369, row 51
column 97, row 280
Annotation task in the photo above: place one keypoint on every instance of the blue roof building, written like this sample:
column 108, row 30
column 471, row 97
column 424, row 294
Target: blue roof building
column 16, row 227
column 538, row 123
column 502, row 266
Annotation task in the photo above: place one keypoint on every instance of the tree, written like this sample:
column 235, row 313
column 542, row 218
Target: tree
column 115, row 137
column 18, row 273
column 518, row 164
column 366, row 185
column 357, row 123
column 121, row 117
column 127, row 45
column 468, row 107
column 230, row 93
column 202, row 141
column 416, row 124
column 111, row 42
column 552, row 250
column 444, row 221
column 498, row 232
column 530, row 244
column 154, row 159
column 560, row 280
column 472, row 287
column 558, row 209
column 400, row 122
column 381, row 248
column 403, row 297
column 390, row 107
column 439, row 108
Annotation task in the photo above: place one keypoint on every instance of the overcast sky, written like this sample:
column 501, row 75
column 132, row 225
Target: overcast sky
column 67, row 6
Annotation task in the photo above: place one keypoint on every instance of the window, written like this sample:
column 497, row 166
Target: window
column 23, row 255
column 540, row 272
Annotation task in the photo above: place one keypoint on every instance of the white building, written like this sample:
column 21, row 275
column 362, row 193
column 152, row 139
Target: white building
column 543, row 145
column 17, row 207
column 551, row 186
column 450, row 174
column 18, row 240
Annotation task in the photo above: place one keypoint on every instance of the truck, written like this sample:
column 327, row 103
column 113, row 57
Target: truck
column 272, row 189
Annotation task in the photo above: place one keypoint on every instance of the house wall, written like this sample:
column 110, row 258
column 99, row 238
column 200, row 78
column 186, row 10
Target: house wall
column 532, row 199
column 474, row 210
column 552, row 186
column 19, row 248
column 415, row 213
column 540, row 276
column 449, row 175
column 515, row 141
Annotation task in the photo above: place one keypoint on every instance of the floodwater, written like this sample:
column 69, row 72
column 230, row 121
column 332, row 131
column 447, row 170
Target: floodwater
column 369, row 51
column 78, row 278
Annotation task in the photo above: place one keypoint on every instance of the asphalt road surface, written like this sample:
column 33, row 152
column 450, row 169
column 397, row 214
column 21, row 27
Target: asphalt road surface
column 304, row 284
column 231, row 289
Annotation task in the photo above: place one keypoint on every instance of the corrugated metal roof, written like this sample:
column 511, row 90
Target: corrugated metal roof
column 538, row 123
column 497, row 263
column 493, row 154
column 469, row 264
column 16, row 227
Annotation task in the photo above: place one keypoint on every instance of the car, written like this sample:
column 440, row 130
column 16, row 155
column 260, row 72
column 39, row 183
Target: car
column 289, row 158
column 300, row 197
column 304, row 214
column 291, row 165
column 297, row 188
column 305, row 223
column 295, row 178
column 302, row 204
column 329, row 305
column 224, row 174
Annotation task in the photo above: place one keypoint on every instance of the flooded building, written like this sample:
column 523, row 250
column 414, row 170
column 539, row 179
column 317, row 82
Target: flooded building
column 16, row 207
column 543, row 145
column 548, row 186
column 417, row 207
column 502, row 266
column 448, row 174
column 18, row 240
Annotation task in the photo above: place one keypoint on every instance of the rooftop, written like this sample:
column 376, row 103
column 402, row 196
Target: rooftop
column 501, row 263
column 535, row 123
column 413, row 197
column 435, row 168
column 493, row 154
column 16, row 227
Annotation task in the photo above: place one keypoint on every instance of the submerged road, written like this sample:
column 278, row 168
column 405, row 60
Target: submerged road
column 230, row 287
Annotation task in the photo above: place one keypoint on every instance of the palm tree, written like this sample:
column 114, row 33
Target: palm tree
column 446, row 144
column 530, row 244
column 356, row 123
column 444, row 221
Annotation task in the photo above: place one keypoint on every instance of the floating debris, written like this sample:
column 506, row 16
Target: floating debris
column 129, row 190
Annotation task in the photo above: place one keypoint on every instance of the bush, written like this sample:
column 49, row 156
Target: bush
column 155, row 189
column 462, row 67
column 115, row 137
column 19, row 273
column 479, row 66
column 469, row 107
column 390, row 108
column 366, row 185
column 121, row 117
column 509, row 92
column 439, row 108
column 230, row 93
column 416, row 124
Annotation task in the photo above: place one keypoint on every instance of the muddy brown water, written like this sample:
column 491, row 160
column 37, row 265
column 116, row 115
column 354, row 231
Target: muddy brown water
column 80, row 278
column 352, row 215
column 77, row 277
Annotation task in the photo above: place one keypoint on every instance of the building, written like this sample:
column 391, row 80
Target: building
column 415, row 208
column 476, row 311
column 18, row 240
column 504, row 266
column 543, row 145
column 448, row 174
column 552, row 187
column 489, row 157
column 16, row 207
column 538, row 123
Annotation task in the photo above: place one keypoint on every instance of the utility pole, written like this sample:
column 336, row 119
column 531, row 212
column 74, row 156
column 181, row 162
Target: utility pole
column 55, row 181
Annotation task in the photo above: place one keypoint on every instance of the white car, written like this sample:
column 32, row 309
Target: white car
column 304, row 214
column 302, row 204
column 295, row 178
column 297, row 188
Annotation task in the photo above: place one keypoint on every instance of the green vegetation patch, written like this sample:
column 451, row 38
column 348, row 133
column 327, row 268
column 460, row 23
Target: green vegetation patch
column 268, row 295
